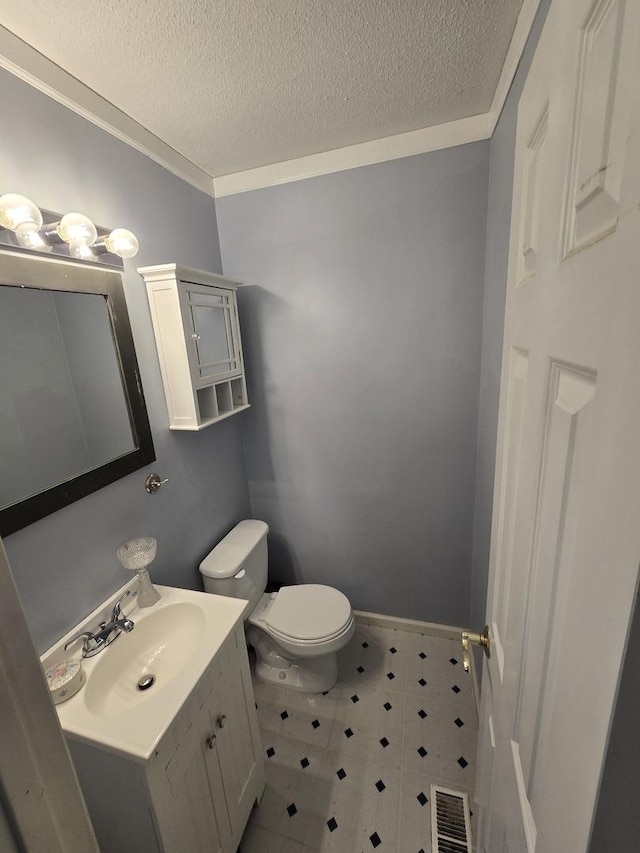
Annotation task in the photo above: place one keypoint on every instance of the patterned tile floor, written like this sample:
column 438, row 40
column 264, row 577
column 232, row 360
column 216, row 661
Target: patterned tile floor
column 350, row 771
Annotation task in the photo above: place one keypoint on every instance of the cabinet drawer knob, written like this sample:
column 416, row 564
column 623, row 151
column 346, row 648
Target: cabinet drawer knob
column 221, row 721
column 211, row 741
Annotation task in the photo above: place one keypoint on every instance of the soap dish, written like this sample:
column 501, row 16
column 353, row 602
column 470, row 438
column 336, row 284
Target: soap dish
column 65, row 680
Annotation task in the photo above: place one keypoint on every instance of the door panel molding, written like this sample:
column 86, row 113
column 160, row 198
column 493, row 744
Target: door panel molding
column 602, row 95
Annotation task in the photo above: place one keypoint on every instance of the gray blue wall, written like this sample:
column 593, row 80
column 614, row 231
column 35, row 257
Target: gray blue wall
column 362, row 316
column 65, row 564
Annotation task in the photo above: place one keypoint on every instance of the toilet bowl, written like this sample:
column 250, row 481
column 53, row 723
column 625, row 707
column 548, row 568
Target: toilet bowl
column 297, row 631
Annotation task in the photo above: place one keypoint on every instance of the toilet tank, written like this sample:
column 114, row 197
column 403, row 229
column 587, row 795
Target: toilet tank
column 237, row 566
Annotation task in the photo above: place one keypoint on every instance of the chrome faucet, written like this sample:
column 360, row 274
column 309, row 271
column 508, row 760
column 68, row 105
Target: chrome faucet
column 107, row 631
column 118, row 619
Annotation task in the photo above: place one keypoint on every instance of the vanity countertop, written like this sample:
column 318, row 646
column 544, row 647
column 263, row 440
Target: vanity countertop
column 175, row 640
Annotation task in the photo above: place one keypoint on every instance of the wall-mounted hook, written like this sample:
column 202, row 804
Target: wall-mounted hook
column 153, row 483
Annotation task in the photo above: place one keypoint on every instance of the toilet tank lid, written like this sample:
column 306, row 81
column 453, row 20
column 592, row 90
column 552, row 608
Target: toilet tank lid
column 231, row 552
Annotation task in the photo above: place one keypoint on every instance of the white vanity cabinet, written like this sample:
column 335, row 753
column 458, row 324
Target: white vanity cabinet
column 195, row 321
column 197, row 789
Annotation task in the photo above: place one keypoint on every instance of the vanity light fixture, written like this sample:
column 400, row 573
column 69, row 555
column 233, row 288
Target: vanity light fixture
column 120, row 242
column 19, row 212
column 20, row 215
column 31, row 239
column 73, row 228
column 81, row 251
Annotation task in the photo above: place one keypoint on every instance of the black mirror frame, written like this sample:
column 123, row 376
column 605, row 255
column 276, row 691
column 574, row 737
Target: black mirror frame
column 49, row 273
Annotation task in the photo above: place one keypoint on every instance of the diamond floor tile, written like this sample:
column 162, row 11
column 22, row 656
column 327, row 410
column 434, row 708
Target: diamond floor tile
column 300, row 716
column 350, row 772
column 435, row 670
column 374, row 659
column 361, row 795
column 445, row 741
column 288, row 803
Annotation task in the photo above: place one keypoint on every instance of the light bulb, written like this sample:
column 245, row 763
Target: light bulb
column 80, row 250
column 77, row 228
column 17, row 210
column 29, row 237
column 122, row 242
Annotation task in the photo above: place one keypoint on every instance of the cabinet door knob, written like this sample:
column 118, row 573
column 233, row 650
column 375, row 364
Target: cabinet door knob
column 195, row 336
column 221, row 721
column 211, row 741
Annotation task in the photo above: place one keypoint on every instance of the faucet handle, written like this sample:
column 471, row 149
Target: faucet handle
column 116, row 613
column 87, row 638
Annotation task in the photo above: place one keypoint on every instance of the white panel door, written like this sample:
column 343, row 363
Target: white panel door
column 566, row 523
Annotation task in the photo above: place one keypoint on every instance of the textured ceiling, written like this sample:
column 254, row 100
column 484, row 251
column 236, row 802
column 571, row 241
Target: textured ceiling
column 234, row 84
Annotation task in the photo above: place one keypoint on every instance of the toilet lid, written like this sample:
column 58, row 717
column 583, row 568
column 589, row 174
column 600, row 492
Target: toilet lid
column 309, row 611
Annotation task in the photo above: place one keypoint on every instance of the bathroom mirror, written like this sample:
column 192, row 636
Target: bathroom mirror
column 72, row 410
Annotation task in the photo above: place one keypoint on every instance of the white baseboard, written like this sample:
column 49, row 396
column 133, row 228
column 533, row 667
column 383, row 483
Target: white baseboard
column 414, row 626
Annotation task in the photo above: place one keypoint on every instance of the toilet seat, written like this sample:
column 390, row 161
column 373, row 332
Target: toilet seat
column 308, row 614
column 311, row 644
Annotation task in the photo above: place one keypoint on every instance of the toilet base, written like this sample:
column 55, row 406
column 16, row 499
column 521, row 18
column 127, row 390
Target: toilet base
column 309, row 675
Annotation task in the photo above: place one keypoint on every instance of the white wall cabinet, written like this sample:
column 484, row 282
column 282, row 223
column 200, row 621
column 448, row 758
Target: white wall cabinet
column 195, row 321
column 197, row 790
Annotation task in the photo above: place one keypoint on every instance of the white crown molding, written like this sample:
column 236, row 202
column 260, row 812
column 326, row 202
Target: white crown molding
column 26, row 63
column 517, row 45
column 363, row 154
column 420, row 141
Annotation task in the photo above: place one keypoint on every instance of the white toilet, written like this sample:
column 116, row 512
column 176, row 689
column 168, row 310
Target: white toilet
column 295, row 632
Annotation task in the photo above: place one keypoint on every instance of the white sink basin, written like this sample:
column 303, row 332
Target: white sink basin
column 159, row 646
column 173, row 642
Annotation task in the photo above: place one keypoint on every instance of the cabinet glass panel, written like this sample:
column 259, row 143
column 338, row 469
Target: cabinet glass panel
column 212, row 321
column 213, row 342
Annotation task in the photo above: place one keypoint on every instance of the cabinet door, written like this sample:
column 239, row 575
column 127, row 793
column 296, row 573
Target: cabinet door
column 209, row 746
column 239, row 742
column 211, row 328
column 191, row 815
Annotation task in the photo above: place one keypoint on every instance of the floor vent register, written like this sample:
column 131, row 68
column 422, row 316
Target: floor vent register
column 450, row 821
